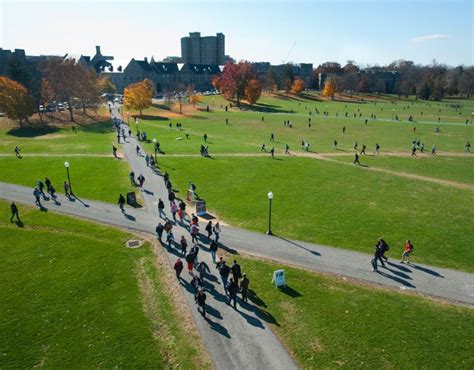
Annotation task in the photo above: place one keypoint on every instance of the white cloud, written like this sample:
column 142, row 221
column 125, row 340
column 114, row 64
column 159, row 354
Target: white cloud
column 433, row 37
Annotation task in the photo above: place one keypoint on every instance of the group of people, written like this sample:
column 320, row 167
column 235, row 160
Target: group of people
column 39, row 190
column 381, row 247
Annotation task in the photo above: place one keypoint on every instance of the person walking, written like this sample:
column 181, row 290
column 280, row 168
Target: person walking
column 195, row 251
column 356, row 159
column 174, row 210
column 232, row 288
column 377, row 149
column 467, row 147
column 37, row 195
column 407, row 252
column 159, row 231
column 236, row 271
column 132, row 178
column 213, row 248
column 433, row 150
column 17, row 151
column 217, row 231
column 161, row 209
column 14, row 212
column 244, row 287
column 377, row 256
column 287, row 149
column 190, row 261
column 47, row 182
column 41, row 187
column 194, row 232
column 224, row 272
column 205, row 138
column 121, row 202
column 272, row 152
column 114, row 151
column 178, row 268
column 184, row 245
column 362, row 152
column 202, row 268
column 209, row 229
column 170, row 239
column 272, row 137
column 200, row 299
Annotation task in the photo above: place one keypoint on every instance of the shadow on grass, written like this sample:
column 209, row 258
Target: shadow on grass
column 161, row 106
column 149, row 117
column 32, row 131
column 289, row 291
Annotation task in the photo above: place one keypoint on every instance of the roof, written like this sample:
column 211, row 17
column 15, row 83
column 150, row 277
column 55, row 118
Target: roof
column 201, row 68
column 165, row 68
column 144, row 65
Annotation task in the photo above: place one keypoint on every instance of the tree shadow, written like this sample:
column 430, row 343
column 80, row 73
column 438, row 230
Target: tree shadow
column 298, row 245
column 32, row 131
column 149, row 117
column 102, row 127
column 427, row 270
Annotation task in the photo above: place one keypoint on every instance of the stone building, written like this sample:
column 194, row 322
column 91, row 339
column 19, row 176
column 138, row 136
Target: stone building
column 203, row 50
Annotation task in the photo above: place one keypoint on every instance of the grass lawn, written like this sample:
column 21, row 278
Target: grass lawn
column 246, row 130
column 94, row 138
column 97, row 178
column 334, row 204
column 328, row 323
column 74, row 297
column 449, row 168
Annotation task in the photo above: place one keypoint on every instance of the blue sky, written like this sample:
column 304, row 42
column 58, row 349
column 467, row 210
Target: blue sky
column 368, row 32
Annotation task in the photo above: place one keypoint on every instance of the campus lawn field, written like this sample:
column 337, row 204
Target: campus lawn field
column 97, row 178
column 246, row 130
column 329, row 323
column 94, row 138
column 74, row 297
column 460, row 169
column 335, row 204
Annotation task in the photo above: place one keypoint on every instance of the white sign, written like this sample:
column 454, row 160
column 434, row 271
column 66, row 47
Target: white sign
column 279, row 278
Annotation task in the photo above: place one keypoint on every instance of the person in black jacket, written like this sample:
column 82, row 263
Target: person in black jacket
column 159, row 231
column 236, row 272
column 377, row 256
column 233, row 289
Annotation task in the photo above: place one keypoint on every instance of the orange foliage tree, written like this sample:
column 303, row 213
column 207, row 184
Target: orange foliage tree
column 194, row 99
column 139, row 95
column 253, row 90
column 15, row 101
column 298, row 86
column 329, row 88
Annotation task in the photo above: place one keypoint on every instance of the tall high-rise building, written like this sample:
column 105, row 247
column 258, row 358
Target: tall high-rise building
column 203, row 50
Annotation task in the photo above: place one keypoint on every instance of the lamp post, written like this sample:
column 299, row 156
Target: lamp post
column 393, row 113
column 66, row 164
column 136, row 125
column 270, row 197
column 155, row 144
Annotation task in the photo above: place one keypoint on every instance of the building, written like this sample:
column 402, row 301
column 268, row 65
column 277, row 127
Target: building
column 98, row 62
column 203, row 50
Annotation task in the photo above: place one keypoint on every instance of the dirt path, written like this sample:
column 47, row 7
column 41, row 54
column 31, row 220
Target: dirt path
column 327, row 157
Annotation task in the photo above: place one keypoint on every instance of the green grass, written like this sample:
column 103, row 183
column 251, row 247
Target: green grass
column 71, row 298
column 334, row 204
column 246, row 131
column 328, row 323
column 448, row 168
column 92, row 178
column 91, row 139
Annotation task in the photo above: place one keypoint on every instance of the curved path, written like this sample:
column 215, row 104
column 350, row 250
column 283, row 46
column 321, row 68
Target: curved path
column 242, row 338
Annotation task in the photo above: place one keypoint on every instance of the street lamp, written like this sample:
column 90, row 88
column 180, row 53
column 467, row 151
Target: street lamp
column 136, row 125
column 270, row 197
column 66, row 164
column 155, row 144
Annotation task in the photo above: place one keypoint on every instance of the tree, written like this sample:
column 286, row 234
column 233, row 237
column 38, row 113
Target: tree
column 14, row 100
column 466, row 82
column 271, row 80
column 288, row 78
column 106, row 86
column 350, row 80
column 64, row 78
column 88, row 89
column 329, row 87
column 46, row 95
column 234, row 79
column 253, row 90
column 139, row 95
column 215, row 83
column 298, row 86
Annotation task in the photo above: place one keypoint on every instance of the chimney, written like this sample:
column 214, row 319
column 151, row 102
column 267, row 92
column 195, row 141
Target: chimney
column 97, row 49
column 146, row 59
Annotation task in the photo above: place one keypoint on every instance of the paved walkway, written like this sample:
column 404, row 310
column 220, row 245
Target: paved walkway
column 242, row 339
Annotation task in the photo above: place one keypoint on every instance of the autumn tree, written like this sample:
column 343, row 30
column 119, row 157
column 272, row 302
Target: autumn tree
column 271, row 80
column 253, row 90
column 138, row 96
column 234, row 79
column 298, row 86
column 194, row 99
column 288, row 78
column 106, row 86
column 215, row 83
column 88, row 91
column 15, row 101
column 329, row 87
column 64, row 77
